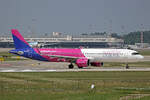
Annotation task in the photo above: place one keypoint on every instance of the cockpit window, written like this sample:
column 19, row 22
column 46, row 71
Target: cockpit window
column 135, row 53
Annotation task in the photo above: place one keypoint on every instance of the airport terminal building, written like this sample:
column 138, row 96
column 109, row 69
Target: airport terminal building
column 68, row 41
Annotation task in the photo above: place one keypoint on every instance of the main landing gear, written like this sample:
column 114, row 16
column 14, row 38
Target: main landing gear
column 71, row 66
column 80, row 67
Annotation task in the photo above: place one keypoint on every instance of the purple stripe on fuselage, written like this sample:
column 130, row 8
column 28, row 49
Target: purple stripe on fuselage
column 18, row 35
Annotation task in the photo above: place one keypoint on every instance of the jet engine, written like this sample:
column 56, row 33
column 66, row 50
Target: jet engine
column 82, row 62
column 97, row 64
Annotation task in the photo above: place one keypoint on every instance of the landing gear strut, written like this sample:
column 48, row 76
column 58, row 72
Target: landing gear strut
column 70, row 66
column 127, row 66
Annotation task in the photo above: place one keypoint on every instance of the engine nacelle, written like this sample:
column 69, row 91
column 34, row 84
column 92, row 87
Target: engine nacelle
column 97, row 64
column 83, row 62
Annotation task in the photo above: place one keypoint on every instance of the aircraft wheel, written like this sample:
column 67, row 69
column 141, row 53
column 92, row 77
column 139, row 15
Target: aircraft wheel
column 80, row 67
column 102, row 63
column 127, row 66
column 70, row 66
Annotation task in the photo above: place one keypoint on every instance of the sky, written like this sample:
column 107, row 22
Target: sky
column 74, row 16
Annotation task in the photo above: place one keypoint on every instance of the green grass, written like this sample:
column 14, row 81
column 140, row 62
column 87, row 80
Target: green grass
column 6, row 54
column 9, row 57
column 73, row 85
column 143, row 98
column 145, row 52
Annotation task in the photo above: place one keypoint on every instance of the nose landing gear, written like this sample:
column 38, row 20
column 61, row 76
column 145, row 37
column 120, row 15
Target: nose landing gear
column 127, row 66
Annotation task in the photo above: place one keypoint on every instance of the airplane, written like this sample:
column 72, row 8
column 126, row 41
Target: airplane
column 82, row 57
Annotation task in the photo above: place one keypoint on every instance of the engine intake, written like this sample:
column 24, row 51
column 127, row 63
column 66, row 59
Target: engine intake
column 83, row 62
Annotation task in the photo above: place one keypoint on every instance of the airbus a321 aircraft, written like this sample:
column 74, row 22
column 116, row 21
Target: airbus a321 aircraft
column 82, row 57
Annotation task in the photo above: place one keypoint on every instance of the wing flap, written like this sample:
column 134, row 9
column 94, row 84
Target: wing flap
column 68, row 58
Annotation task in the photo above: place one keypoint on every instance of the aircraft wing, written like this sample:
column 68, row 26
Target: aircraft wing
column 68, row 58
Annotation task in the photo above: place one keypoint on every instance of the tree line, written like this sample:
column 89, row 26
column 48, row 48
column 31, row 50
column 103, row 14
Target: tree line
column 134, row 37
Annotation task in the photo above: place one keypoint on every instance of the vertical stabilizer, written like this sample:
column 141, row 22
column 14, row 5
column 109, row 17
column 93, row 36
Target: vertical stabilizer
column 19, row 41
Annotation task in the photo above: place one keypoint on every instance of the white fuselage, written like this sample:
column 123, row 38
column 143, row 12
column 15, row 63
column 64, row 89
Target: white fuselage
column 111, row 54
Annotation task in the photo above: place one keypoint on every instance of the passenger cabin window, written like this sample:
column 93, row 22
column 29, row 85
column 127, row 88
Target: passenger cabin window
column 135, row 53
